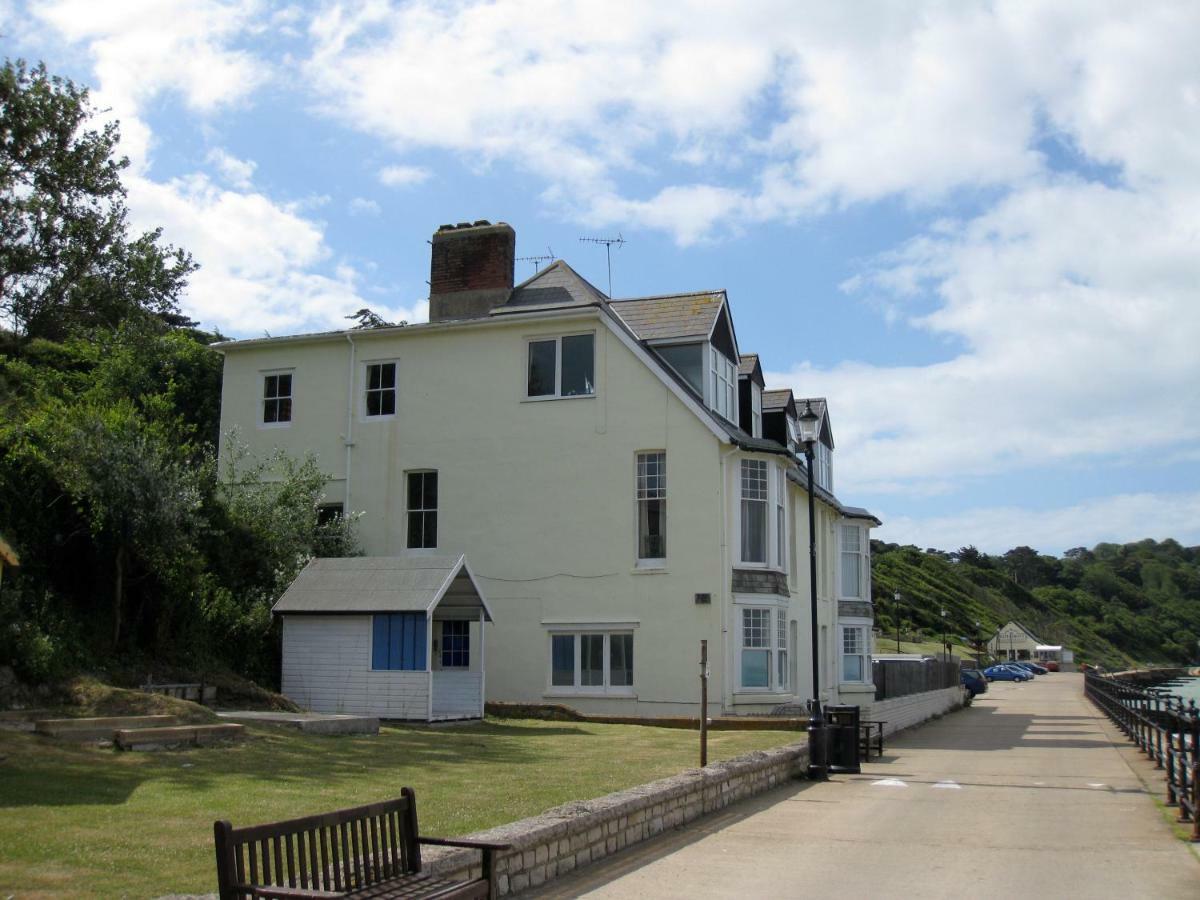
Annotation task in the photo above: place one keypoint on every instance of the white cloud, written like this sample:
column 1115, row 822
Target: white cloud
column 361, row 206
column 1120, row 519
column 403, row 176
column 237, row 172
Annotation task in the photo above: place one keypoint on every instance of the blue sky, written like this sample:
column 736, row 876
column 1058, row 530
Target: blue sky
column 973, row 226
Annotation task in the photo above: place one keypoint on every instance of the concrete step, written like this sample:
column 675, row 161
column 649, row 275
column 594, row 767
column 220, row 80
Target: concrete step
column 163, row 738
column 97, row 728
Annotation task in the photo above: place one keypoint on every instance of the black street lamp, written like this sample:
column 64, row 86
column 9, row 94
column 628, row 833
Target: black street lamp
column 978, row 646
column 945, row 646
column 818, row 737
column 896, row 612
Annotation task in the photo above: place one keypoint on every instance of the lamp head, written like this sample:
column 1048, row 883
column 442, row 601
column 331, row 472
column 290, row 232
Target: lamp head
column 808, row 424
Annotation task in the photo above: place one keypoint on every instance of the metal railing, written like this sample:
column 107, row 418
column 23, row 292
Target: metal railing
column 1165, row 728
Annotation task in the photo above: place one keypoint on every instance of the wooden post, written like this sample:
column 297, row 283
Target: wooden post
column 703, row 704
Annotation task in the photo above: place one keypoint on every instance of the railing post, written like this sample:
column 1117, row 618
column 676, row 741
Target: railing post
column 1174, row 737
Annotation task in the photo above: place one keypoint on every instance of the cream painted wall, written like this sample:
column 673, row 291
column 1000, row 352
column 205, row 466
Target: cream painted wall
column 540, row 496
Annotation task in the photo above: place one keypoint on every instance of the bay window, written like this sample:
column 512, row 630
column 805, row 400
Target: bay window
column 755, row 492
column 854, row 563
column 855, row 656
column 763, row 649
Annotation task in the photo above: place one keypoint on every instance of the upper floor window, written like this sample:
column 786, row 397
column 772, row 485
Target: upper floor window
column 652, row 506
column 823, row 472
column 780, row 519
column 381, row 389
column 854, row 562
column 755, row 410
column 723, row 376
column 754, row 510
column 562, row 366
column 277, row 398
column 422, row 509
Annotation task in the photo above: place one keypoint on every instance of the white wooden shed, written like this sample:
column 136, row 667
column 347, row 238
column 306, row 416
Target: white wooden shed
column 397, row 637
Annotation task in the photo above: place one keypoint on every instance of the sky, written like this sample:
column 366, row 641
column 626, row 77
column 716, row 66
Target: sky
column 974, row 227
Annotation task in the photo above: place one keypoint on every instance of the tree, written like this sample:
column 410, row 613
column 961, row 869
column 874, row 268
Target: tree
column 66, row 257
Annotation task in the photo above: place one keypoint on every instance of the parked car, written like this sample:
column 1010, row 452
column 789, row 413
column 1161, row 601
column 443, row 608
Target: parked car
column 1052, row 665
column 1006, row 673
column 1030, row 666
column 974, row 681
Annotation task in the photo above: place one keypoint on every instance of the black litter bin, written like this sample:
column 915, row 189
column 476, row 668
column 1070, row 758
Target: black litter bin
column 842, row 722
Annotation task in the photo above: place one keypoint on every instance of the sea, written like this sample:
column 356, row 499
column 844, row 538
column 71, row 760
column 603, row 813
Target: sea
column 1187, row 687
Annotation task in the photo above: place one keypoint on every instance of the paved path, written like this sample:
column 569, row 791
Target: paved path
column 1029, row 793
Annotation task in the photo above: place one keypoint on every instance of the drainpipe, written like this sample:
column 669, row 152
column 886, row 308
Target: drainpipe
column 726, row 575
column 349, row 420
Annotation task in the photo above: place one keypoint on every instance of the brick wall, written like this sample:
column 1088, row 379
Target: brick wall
column 472, row 258
column 577, row 834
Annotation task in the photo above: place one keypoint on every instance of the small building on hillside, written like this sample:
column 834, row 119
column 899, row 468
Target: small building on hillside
column 396, row 637
column 1015, row 641
column 8, row 557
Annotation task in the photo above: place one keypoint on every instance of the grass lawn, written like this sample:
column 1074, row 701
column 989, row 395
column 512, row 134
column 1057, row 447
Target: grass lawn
column 94, row 822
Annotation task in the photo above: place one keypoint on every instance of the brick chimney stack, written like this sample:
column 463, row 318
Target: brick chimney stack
column 471, row 269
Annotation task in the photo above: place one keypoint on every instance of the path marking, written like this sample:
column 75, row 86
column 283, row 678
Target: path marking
column 1093, row 784
column 949, row 785
column 889, row 782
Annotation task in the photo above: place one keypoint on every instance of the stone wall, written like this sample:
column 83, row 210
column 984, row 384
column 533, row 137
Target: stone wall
column 576, row 834
column 912, row 709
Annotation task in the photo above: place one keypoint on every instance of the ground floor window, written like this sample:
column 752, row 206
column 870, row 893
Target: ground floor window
column 763, row 651
column 592, row 661
column 398, row 641
column 456, row 644
column 855, row 654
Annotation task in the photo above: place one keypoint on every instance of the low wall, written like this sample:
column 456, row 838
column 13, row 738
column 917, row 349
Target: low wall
column 575, row 834
column 904, row 712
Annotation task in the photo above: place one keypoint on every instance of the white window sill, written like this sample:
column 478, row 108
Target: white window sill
column 760, row 695
column 528, row 399
column 615, row 693
column 266, row 425
column 364, row 419
column 651, row 567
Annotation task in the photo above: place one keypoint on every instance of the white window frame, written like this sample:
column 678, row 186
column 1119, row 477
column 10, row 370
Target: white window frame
column 436, row 510
column 722, row 384
column 824, row 466
column 777, row 550
column 765, row 562
column 643, row 492
column 264, row 374
column 755, row 409
column 365, row 375
column 863, row 626
column 776, row 640
column 607, row 689
column 863, row 552
column 558, row 364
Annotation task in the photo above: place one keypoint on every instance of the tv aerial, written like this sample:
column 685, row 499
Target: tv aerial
column 538, row 260
column 608, row 243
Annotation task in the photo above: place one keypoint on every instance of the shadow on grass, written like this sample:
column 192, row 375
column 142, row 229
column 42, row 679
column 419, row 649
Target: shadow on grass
column 38, row 771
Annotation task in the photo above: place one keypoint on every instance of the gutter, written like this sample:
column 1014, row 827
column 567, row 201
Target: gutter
column 349, row 422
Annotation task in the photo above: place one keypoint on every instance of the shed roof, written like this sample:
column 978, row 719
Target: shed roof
column 376, row 584
column 672, row 317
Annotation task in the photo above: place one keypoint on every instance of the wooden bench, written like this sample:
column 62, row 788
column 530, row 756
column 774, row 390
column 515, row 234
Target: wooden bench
column 367, row 851
column 870, row 734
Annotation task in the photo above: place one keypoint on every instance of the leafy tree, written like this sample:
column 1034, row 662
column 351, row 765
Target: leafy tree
column 67, row 259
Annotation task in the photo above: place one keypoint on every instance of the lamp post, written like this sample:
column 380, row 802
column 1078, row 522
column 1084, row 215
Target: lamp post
column 945, row 646
column 978, row 646
column 818, row 747
column 896, row 611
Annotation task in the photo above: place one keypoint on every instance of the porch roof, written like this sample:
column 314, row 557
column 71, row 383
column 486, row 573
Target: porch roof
column 378, row 584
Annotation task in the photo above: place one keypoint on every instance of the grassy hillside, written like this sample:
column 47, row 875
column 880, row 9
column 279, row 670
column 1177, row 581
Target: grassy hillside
column 1114, row 604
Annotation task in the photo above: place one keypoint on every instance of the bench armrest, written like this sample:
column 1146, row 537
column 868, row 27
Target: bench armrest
column 464, row 842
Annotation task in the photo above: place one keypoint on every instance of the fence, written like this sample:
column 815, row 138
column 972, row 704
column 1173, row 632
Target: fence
column 901, row 677
column 1162, row 727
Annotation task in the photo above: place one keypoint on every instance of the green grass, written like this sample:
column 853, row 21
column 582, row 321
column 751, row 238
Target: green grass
column 89, row 821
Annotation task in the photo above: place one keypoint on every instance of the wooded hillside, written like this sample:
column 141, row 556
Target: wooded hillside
column 1113, row 604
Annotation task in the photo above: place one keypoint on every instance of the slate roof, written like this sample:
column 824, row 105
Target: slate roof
column 371, row 584
column 747, row 363
column 777, row 399
column 672, row 317
column 818, row 405
column 556, row 285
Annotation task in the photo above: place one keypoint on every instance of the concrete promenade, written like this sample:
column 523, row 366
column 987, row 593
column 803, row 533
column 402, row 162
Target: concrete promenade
column 1029, row 793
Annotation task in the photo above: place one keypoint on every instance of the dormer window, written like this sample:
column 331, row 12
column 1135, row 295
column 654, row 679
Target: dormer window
column 823, row 466
column 722, row 385
column 755, row 410
column 793, row 434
